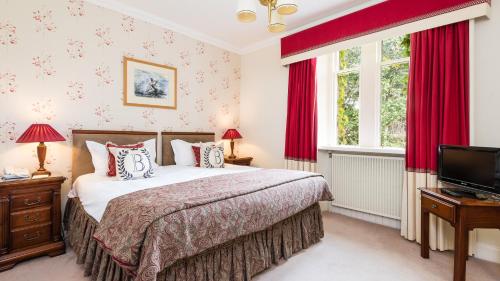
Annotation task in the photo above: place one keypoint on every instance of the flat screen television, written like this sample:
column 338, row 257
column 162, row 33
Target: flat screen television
column 475, row 169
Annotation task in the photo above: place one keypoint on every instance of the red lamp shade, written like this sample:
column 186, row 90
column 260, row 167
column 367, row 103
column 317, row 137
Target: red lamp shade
column 231, row 134
column 40, row 133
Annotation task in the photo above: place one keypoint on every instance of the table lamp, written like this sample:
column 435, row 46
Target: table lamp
column 40, row 133
column 232, row 134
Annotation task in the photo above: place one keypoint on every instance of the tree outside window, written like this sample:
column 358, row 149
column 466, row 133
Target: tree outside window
column 394, row 90
column 348, row 96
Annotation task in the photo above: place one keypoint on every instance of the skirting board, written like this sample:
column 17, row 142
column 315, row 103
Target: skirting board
column 392, row 223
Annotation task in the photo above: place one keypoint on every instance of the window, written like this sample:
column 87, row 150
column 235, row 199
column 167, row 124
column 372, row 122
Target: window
column 393, row 91
column 362, row 95
column 347, row 74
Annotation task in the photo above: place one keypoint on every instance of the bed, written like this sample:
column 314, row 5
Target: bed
column 187, row 223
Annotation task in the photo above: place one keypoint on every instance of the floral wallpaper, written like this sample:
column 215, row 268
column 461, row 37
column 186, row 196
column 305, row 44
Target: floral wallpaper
column 61, row 63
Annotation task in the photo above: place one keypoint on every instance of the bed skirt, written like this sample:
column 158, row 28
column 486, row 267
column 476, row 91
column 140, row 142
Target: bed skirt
column 236, row 260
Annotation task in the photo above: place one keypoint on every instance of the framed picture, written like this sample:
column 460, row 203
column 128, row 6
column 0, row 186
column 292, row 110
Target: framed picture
column 149, row 84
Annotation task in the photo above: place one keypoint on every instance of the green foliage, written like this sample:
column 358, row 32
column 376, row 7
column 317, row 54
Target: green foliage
column 348, row 109
column 396, row 48
column 350, row 58
column 394, row 86
column 406, row 45
column 348, row 98
column 394, row 90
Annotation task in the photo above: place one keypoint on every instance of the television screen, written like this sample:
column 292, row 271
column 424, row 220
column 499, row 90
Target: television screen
column 472, row 167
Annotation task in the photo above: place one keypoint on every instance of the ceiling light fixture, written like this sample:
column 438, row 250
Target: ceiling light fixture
column 276, row 9
column 246, row 11
column 286, row 7
column 276, row 22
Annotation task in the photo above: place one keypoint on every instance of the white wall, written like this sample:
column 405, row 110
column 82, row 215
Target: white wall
column 486, row 107
column 264, row 90
column 264, row 96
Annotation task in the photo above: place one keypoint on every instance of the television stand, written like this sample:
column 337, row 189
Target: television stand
column 464, row 214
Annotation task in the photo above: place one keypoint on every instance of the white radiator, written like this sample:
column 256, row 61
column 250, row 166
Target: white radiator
column 369, row 184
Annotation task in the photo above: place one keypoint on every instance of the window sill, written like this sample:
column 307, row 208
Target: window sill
column 357, row 150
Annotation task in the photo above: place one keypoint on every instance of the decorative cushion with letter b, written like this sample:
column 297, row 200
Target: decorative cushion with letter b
column 132, row 163
column 211, row 156
column 111, row 157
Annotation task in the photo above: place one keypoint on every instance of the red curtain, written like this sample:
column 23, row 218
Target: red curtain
column 302, row 118
column 438, row 94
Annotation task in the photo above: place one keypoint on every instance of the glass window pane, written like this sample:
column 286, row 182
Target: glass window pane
column 348, row 108
column 396, row 48
column 394, row 86
column 349, row 58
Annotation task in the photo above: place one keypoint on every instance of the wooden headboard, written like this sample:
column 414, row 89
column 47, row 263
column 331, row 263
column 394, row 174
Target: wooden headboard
column 166, row 137
column 82, row 161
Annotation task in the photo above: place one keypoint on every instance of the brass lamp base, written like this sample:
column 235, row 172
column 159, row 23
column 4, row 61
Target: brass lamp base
column 232, row 156
column 41, row 173
column 41, row 151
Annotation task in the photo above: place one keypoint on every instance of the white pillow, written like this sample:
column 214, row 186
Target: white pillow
column 99, row 155
column 183, row 152
column 212, row 156
column 150, row 145
column 132, row 163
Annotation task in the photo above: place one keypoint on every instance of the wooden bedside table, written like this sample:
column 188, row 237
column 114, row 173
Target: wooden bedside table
column 244, row 161
column 30, row 220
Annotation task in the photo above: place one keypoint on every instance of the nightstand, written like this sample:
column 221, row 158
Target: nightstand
column 243, row 161
column 30, row 220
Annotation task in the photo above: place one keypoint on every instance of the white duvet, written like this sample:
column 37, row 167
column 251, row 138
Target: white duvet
column 95, row 191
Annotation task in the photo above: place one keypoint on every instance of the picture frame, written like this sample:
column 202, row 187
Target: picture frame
column 148, row 84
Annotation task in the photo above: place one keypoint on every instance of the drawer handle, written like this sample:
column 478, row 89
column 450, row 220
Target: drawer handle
column 34, row 218
column 32, row 236
column 434, row 206
column 27, row 202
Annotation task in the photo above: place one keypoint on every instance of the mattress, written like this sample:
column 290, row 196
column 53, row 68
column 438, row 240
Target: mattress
column 95, row 191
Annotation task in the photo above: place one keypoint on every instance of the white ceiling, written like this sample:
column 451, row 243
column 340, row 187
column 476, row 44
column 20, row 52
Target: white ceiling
column 214, row 21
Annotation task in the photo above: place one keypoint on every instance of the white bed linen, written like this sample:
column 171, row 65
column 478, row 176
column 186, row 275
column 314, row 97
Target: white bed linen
column 95, row 191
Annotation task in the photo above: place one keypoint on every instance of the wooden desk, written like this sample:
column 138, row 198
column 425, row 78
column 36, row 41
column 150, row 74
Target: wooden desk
column 464, row 214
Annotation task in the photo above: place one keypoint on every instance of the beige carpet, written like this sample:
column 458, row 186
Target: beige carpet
column 352, row 250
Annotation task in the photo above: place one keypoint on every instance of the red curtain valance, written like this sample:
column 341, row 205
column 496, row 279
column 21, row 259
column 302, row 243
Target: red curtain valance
column 372, row 19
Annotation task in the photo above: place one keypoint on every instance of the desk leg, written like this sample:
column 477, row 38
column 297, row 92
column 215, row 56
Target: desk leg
column 424, row 234
column 460, row 251
column 467, row 245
